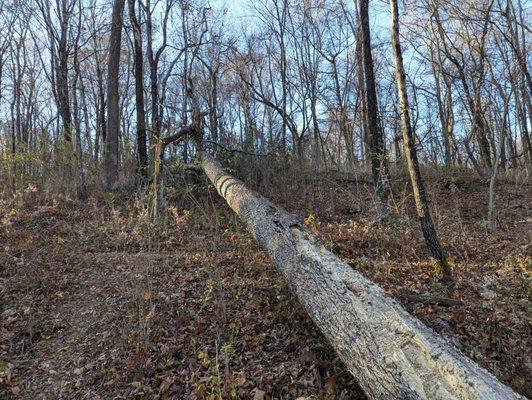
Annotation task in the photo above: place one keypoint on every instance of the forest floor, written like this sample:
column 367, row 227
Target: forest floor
column 96, row 302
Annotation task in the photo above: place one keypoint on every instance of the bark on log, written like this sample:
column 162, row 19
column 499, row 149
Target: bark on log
column 390, row 353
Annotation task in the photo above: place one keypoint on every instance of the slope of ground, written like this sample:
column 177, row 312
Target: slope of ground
column 99, row 303
column 493, row 270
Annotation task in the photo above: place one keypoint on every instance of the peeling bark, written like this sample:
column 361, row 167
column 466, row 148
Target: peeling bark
column 390, row 353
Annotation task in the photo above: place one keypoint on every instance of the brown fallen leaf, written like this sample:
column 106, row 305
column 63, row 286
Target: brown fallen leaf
column 166, row 384
column 146, row 294
column 258, row 394
column 239, row 378
column 331, row 385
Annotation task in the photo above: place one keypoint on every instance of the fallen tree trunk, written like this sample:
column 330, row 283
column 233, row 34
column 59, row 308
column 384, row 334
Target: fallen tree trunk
column 390, row 353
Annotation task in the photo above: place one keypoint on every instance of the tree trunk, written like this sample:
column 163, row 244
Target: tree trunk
column 444, row 121
column 491, row 191
column 101, row 131
column 86, row 118
column 142, row 152
column 113, row 111
column 62, row 77
column 157, row 184
column 78, row 153
column 213, row 96
column 525, row 139
column 390, row 353
column 154, row 82
column 376, row 137
column 418, row 188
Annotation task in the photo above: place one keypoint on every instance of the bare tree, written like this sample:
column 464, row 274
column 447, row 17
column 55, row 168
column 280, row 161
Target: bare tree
column 139, row 91
column 418, row 188
column 113, row 111
column 376, row 139
column 59, row 49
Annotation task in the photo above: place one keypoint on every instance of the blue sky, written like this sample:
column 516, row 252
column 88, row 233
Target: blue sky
column 239, row 12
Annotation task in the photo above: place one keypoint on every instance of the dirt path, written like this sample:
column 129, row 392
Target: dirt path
column 75, row 340
column 75, row 353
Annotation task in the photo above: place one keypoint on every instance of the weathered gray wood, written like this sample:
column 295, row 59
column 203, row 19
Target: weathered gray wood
column 391, row 353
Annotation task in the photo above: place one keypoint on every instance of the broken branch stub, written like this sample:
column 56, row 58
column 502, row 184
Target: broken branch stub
column 390, row 353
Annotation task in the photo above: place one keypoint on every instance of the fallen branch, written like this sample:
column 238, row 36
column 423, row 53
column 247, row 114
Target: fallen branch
column 436, row 300
column 390, row 353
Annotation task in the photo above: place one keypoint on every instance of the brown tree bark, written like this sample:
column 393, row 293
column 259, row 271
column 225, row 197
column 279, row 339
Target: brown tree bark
column 154, row 80
column 62, row 83
column 142, row 153
column 81, row 186
column 99, row 96
column 113, row 111
column 376, row 137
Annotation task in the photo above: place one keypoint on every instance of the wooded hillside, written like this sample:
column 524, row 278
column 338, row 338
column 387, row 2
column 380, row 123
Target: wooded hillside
column 378, row 153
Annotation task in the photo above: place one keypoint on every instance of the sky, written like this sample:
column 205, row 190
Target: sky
column 240, row 13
